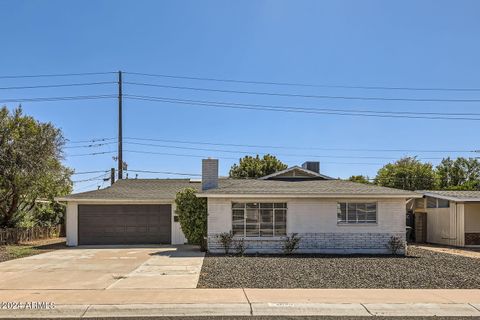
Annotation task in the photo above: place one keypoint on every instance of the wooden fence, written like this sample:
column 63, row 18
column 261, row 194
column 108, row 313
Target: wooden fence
column 18, row 235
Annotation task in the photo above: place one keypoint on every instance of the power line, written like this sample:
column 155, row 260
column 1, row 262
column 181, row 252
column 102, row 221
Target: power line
column 292, row 95
column 302, row 84
column 92, row 140
column 90, row 179
column 233, row 158
column 90, row 145
column 286, row 109
column 43, row 99
column 295, row 148
column 58, row 85
column 166, row 172
column 278, row 154
column 54, row 75
column 89, row 172
column 90, row 154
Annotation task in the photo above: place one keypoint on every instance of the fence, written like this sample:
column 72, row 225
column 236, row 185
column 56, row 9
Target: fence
column 18, row 235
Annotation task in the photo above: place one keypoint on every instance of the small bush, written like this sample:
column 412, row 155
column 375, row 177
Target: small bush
column 291, row 243
column 395, row 244
column 240, row 247
column 226, row 239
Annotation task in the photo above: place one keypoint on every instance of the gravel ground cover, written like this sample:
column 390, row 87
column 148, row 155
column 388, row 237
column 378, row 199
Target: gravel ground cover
column 421, row 269
column 16, row 251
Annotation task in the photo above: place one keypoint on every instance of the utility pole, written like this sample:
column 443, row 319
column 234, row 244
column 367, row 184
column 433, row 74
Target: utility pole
column 120, row 134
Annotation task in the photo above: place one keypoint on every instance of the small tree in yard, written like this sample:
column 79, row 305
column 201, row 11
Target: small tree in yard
column 192, row 215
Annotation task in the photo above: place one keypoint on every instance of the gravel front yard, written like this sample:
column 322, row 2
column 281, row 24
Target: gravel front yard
column 421, row 269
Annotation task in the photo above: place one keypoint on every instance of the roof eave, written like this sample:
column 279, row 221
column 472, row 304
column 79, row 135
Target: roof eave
column 450, row 198
column 115, row 200
column 279, row 195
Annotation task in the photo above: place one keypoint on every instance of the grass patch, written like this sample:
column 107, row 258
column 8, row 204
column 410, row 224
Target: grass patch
column 15, row 252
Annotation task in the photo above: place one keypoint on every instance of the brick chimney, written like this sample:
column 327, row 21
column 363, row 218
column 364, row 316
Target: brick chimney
column 209, row 173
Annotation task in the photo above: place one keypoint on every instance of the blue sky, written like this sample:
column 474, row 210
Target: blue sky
column 357, row 43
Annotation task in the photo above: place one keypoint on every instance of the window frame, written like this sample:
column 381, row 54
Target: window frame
column 356, row 223
column 283, row 208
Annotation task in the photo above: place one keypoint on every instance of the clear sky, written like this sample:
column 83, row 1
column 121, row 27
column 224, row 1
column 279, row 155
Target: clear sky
column 419, row 44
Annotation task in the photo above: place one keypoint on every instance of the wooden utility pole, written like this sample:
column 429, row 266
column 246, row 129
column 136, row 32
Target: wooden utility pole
column 120, row 134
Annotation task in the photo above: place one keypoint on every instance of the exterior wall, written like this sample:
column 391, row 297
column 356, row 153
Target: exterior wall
column 472, row 223
column 446, row 225
column 72, row 224
column 315, row 221
column 177, row 234
column 72, row 221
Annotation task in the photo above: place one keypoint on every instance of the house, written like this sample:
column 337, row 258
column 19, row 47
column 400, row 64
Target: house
column 449, row 217
column 330, row 215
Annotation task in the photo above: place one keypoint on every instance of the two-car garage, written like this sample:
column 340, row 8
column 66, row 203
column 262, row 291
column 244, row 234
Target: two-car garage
column 124, row 224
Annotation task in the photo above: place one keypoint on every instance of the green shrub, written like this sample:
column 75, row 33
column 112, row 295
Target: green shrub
column 291, row 243
column 192, row 215
column 226, row 239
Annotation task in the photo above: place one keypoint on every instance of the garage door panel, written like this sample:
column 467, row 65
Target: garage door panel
column 124, row 224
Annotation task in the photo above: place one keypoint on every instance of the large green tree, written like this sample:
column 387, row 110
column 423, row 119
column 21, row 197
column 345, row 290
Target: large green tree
column 30, row 165
column 360, row 179
column 458, row 174
column 256, row 167
column 407, row 173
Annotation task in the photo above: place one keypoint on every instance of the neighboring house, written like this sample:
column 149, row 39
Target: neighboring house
column 330, row 215
column 450, row 217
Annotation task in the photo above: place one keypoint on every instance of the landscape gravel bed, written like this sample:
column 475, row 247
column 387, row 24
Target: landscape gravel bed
column 420, row 269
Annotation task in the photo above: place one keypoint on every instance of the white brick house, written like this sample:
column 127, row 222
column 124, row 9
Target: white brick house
column 330, row 216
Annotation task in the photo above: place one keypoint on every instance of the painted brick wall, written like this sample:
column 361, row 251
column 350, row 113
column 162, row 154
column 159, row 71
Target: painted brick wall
column 315, row 220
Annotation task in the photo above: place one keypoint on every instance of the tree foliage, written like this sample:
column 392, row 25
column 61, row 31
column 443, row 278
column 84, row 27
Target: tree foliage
column 407, row 173
column 458, row 174
column 30, row 165
column 192, row 215
column 256, row 167
column 360, row 179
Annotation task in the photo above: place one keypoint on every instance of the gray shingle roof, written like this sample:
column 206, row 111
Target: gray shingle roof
column 304, row 188
column 453, row 194
column 166, row 189
column 137, row 189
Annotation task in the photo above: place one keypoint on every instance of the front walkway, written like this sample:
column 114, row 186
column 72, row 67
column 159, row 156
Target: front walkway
column 465, row 252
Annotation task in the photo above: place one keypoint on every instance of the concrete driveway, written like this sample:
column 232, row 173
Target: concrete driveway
column 110, row 267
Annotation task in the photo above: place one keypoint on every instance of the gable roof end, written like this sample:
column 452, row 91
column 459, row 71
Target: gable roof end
column 307, row 172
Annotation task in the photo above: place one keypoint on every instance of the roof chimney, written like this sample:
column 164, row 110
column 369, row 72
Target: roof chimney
column 312, row 166
column 209, row 173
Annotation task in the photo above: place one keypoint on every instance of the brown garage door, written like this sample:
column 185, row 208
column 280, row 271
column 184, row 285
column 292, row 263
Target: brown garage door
column 124, row 224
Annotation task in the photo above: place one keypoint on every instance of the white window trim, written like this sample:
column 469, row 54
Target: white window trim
column 274, row 236
column 366, row 224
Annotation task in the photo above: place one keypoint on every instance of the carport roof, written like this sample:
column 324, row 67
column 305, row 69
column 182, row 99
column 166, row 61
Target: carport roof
column 136, row 189
column 453, row 195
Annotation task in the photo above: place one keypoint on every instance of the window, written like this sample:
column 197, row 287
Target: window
column 442, row 203
column 431, row 202
column 356, row 213
column 437, row 203
column 259, row 219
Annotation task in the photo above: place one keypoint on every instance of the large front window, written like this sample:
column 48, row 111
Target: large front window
column 259, row 219
column 356, row 213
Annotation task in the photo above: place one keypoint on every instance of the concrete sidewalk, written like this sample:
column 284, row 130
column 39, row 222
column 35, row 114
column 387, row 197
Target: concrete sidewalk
column 243, row 302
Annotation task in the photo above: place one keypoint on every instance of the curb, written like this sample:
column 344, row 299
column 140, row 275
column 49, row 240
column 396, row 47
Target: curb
column 246, row 309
